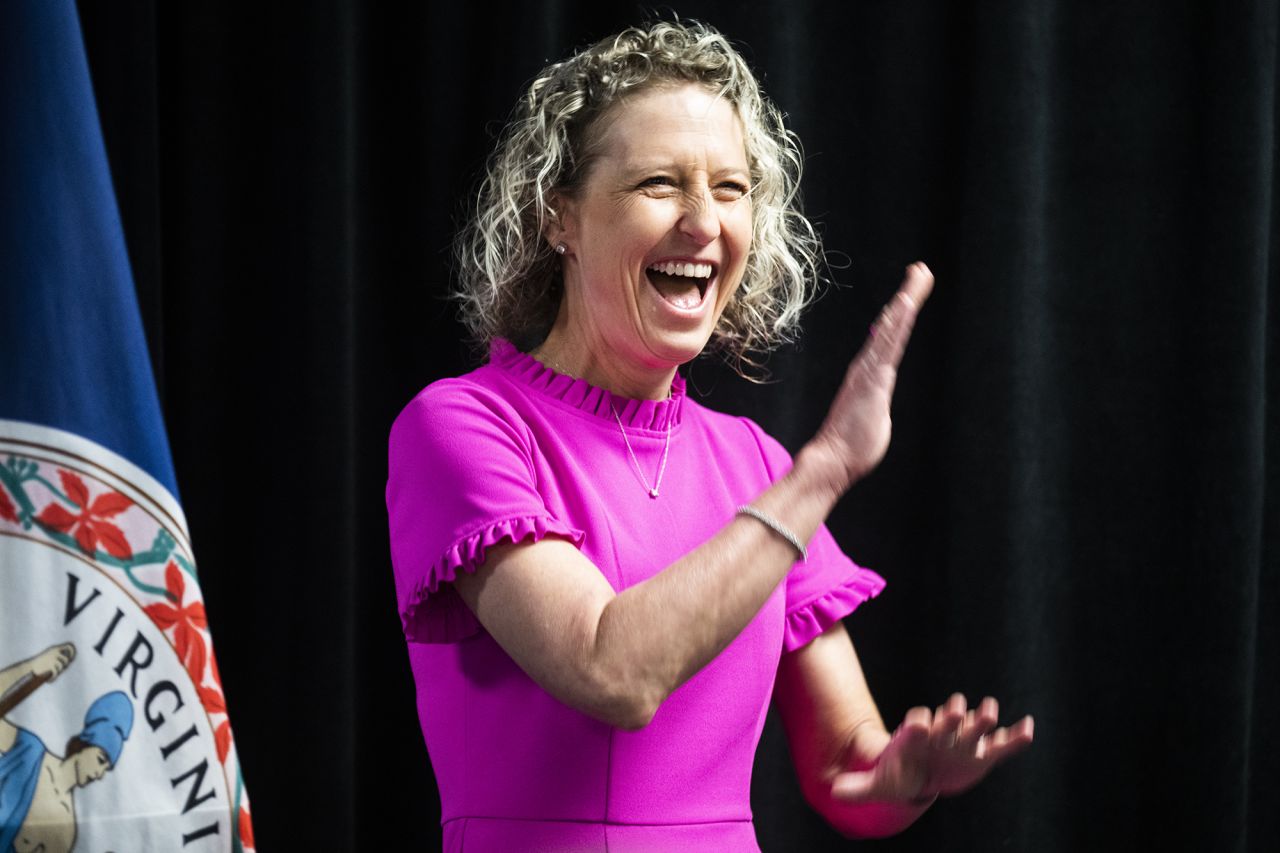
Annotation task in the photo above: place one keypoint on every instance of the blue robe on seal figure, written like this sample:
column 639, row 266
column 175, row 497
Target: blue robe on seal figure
column 107, row 724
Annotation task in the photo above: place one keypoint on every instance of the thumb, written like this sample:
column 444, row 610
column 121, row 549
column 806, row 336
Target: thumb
column 856, row 786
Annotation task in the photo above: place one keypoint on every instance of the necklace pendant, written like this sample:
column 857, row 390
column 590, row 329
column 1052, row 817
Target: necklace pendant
column 662, row 465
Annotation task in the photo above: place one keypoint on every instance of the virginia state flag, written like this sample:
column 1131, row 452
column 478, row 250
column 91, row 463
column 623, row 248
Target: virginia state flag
column 114, row 733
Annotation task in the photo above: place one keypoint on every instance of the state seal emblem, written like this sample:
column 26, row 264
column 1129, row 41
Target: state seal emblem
column 114, row 733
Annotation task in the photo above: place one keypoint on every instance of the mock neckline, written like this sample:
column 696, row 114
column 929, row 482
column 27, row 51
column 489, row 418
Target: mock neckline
column 585, row 397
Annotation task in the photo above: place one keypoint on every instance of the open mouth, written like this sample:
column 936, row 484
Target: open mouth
column 682, row 283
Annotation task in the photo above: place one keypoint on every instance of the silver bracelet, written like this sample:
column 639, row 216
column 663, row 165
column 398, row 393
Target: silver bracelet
column 777, row 527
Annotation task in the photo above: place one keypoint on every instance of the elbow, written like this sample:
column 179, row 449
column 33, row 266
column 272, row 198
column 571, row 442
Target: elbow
column 630, row 710
column 633, row 719
column 625, row 703
column 618, row 686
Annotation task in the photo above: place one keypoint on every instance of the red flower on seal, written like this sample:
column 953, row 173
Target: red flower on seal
column 187, row 622
column 215, row 704
column 222, row 739
column 8, row 511
column 213, row 668
column 90, row 527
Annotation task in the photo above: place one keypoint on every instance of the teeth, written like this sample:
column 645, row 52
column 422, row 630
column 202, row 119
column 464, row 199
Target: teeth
column 689, row 270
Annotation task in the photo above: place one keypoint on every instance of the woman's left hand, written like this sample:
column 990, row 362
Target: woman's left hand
column 941, row 753
column 855, row 434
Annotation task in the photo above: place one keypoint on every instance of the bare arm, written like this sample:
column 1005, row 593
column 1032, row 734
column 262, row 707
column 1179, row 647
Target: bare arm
column 825, row 705
column 49, row 664
column 864, row 781
column 46, row 666
column 12, row 674
column 618, row 656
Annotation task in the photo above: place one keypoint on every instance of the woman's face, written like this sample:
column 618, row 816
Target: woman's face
column 659, row 233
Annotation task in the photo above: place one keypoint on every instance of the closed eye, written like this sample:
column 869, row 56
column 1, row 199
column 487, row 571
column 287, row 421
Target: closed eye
column 731, row 190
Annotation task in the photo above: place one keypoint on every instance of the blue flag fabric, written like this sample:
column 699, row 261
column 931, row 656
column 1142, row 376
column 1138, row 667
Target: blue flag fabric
column 72, row 351
column 108, row 681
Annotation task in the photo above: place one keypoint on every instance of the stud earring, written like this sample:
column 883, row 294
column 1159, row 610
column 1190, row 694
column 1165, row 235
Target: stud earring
column 561, row 248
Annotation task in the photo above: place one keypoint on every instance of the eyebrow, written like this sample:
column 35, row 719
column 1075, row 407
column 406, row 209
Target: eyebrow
column 640, row 166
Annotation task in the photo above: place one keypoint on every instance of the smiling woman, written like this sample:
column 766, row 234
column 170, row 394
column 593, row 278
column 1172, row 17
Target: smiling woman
column 602, row 582
column 656, row 241
column 510, row 281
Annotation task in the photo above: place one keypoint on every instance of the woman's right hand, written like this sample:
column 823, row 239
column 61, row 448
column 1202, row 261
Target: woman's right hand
column 855, row 436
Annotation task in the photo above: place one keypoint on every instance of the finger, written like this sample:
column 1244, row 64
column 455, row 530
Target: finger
column 916, row 722
column 967, row 737
column 955, row 704
column 854, row 787
column 946, row 731
column 979, row 723
column 917, row 289
column 1003, row 743
column 936, row 731
column 892, row 330
column 947, row 723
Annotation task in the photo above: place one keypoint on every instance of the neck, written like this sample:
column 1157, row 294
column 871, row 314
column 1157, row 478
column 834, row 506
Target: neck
column 62, row 772
column 626, row 377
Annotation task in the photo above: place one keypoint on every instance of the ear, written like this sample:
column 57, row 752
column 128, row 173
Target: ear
column 560, row 225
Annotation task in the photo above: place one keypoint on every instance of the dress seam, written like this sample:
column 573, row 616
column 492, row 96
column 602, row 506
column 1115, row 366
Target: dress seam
column 608, row 783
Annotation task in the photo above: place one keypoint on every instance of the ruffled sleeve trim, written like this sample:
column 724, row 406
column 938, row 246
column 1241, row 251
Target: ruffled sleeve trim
column 432, row 611
column 810, row 619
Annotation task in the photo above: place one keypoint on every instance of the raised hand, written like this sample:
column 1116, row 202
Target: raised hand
column 856, row 431
column 941, row 753
column 50, row 663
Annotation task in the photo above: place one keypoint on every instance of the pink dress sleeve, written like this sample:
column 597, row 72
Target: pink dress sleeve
column 826, row 587
column 460, row 479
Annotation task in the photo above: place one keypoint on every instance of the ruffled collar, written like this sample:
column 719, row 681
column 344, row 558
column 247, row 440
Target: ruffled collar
column 582, row 395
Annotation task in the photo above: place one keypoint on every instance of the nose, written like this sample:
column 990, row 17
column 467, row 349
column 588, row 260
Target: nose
column 700, row 221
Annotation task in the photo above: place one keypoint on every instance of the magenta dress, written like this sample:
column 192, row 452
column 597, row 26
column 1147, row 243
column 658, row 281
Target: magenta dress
column 515, row 451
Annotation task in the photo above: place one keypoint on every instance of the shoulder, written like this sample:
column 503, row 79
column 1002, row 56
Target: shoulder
column 454, row 396
column 15, row 738
column 458, row 428
column 455, row 404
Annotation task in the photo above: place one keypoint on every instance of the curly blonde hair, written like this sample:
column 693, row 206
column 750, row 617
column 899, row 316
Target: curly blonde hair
column 509, row 277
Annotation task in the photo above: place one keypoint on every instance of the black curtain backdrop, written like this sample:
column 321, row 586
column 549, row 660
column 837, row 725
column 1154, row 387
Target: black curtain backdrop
column 1079, row 513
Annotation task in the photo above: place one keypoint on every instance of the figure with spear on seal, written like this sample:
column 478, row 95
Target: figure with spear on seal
column 37, row 809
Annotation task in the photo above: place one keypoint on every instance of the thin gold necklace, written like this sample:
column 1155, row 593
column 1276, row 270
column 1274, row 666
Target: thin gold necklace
column 662, row 465
column 666, row 444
